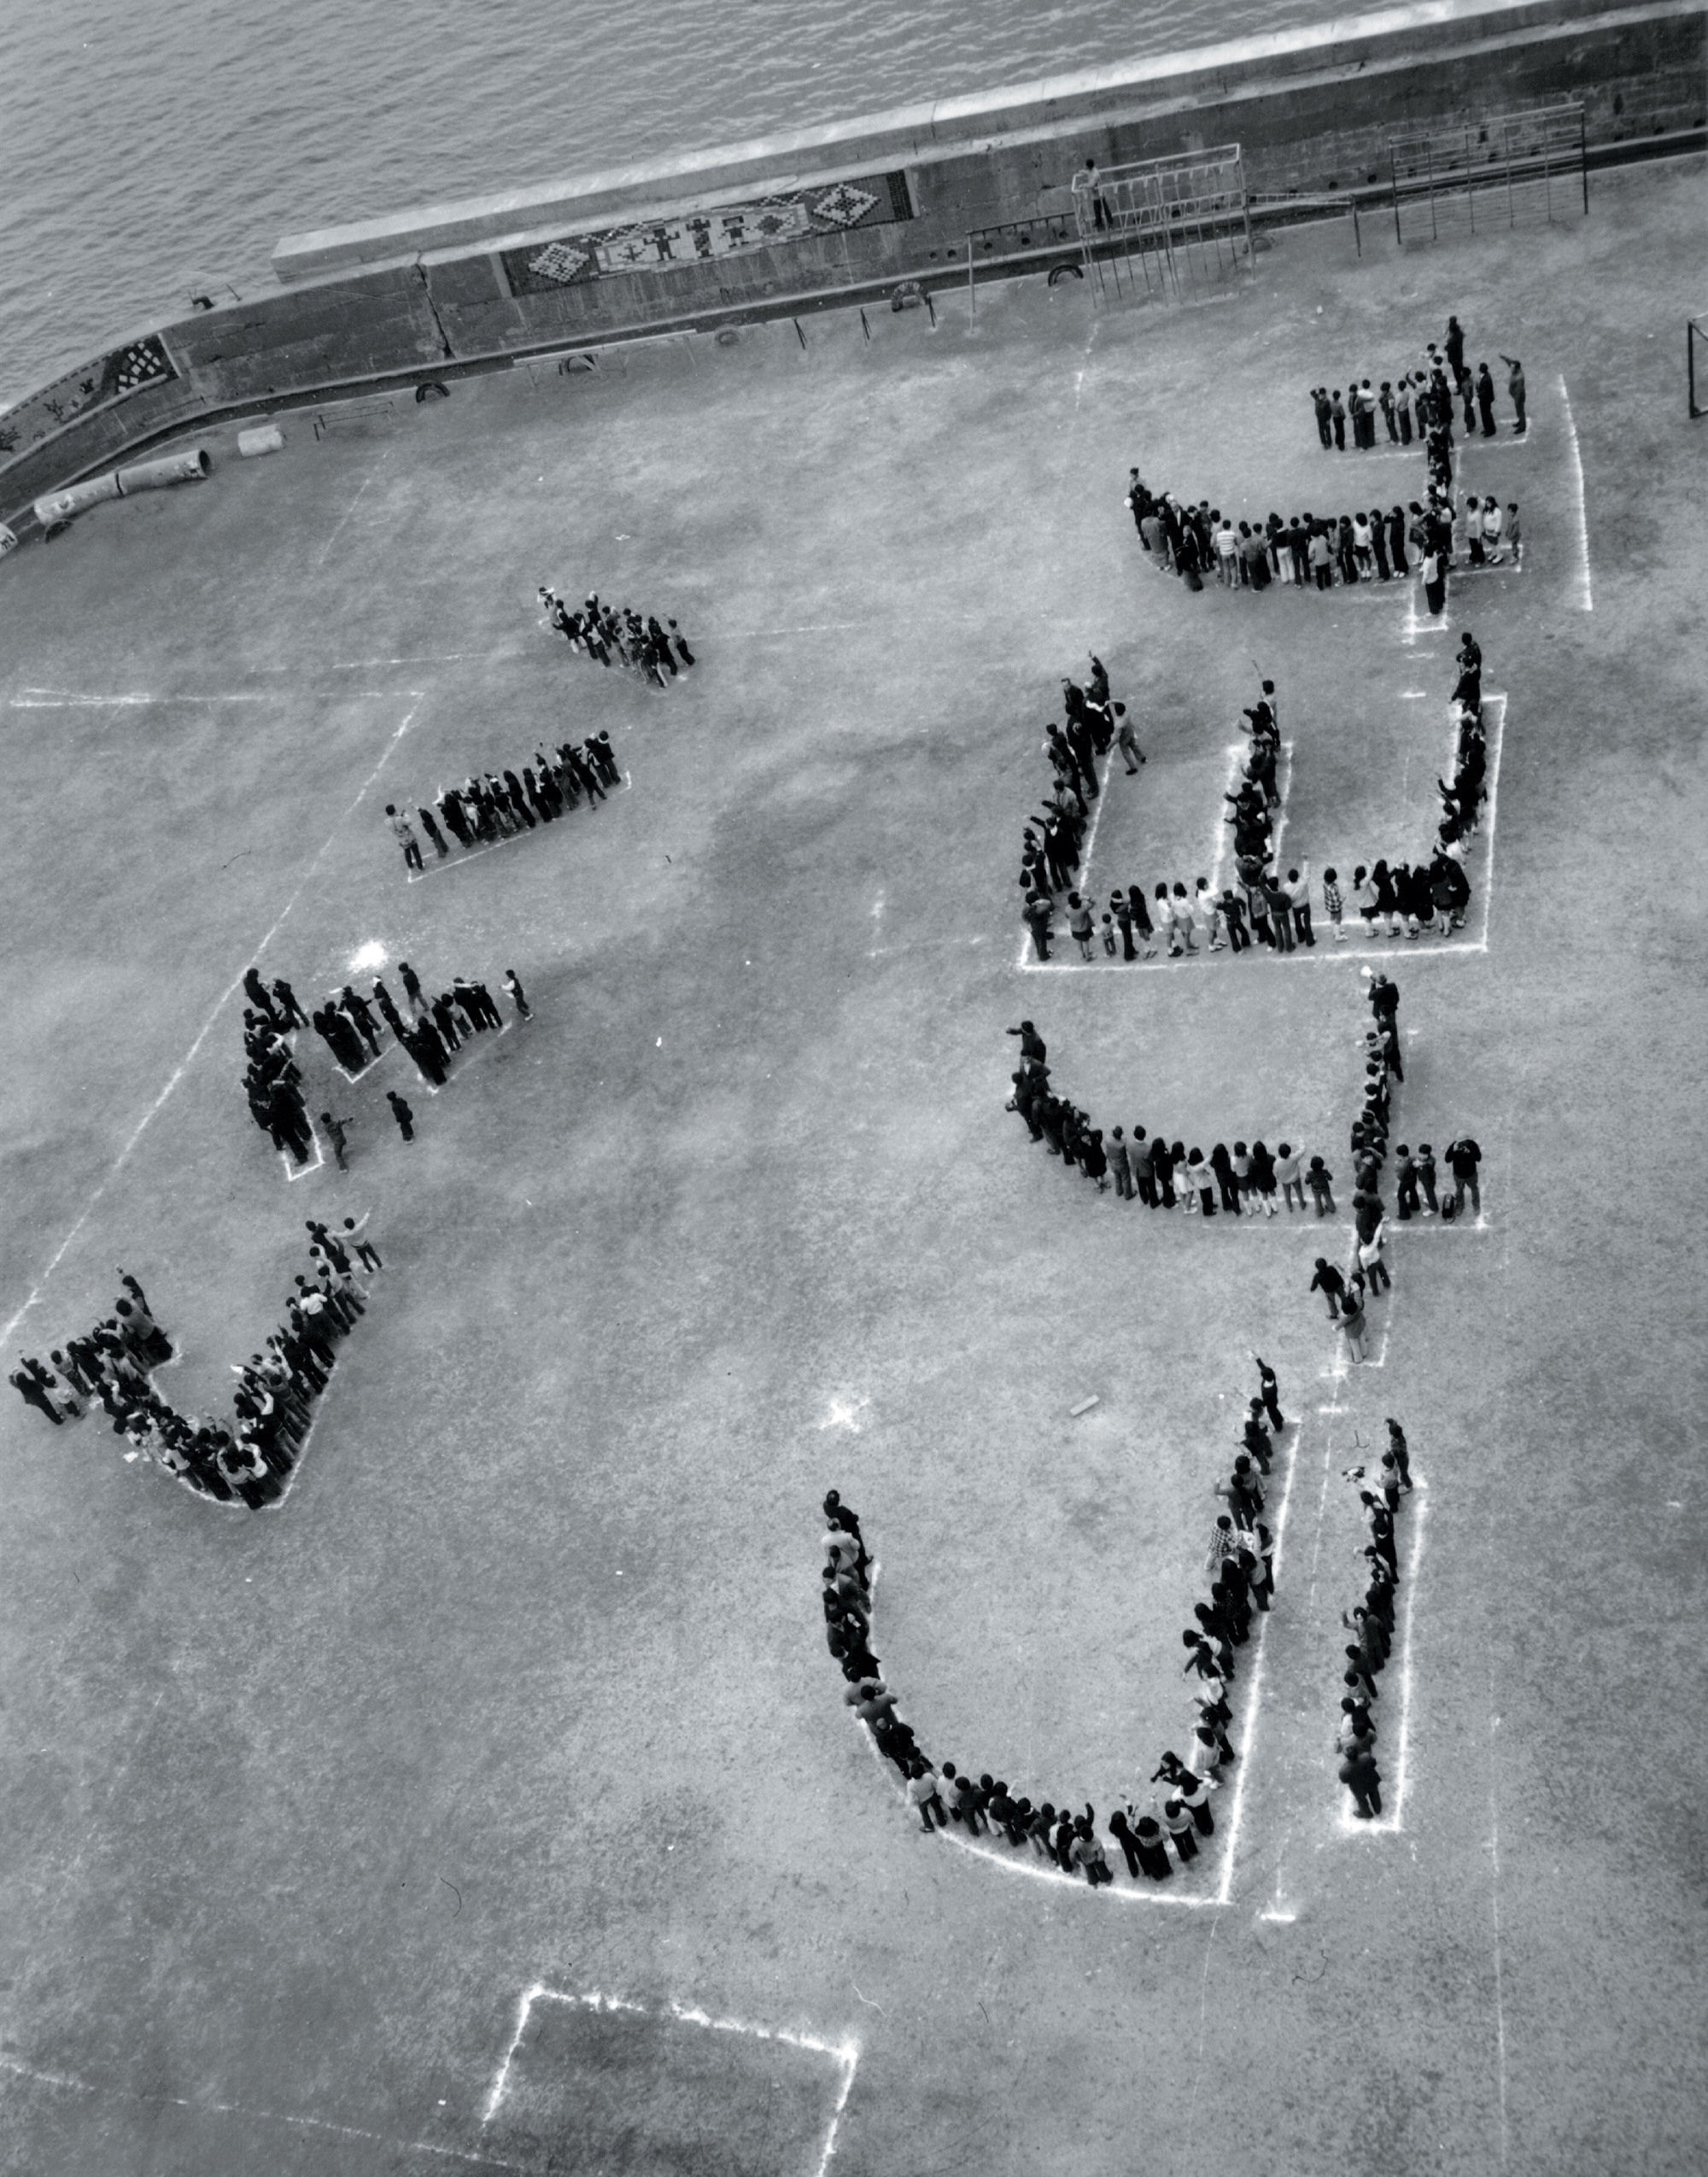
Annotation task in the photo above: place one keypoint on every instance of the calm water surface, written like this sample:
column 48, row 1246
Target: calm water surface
column 153, row 145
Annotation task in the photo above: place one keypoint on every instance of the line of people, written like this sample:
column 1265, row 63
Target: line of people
column 1367, row 1276
column 1243, row 1182
column 1241, row 1569
column 491, row 807
column 1053, row 843
column 1371, row 1622
column 113, row 1367
column 616, row 634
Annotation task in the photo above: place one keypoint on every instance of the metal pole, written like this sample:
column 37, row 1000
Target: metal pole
column 1244, row 207
column 972, row 299
column 1469, row 181
column 1394, row 178
column 1512, row 209
column 1583, row 160
column 1358, row 239
column 1430, row 180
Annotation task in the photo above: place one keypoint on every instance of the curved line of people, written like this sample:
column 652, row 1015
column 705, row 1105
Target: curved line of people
column 1053, row 843
column 1371, row 1622
column 1241, row 1567
column 1162, row 1174
column 489, row 806
column 616, row 634
column 272, row 1408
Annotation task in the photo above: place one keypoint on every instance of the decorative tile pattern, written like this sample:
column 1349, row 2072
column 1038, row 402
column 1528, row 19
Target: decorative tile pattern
column 694, row 237
column 111, row 377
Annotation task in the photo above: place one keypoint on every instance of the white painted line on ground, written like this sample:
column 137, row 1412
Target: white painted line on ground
column 1494, row 1913
column 1586, row 602
column 202, row 1033
column 257, row 2116
column 845, row 2053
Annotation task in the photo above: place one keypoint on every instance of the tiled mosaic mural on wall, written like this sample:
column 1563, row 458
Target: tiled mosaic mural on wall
column 695, row 237
column 93, row 385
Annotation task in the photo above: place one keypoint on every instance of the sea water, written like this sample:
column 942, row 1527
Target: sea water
column 156, row 147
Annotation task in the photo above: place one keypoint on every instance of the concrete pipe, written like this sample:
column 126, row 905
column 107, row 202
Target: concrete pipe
column 263, row 438
column 188, row 467
column 61, row 506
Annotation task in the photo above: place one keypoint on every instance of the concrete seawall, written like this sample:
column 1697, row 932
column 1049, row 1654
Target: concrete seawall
column 833, row 214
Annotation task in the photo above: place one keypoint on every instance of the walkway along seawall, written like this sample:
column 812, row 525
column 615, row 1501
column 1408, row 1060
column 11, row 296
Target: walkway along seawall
column 831, row 216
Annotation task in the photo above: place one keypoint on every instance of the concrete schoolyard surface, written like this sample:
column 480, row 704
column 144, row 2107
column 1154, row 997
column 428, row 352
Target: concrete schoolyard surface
column 491, row 1804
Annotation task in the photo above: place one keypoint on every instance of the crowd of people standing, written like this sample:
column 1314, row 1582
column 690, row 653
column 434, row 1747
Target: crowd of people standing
column 617, row 636
column 248, row 1461
column 434, row 1028
column 1152, row 1832
column 1427, row 391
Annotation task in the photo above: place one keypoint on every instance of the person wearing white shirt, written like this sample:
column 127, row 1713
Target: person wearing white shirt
column 1494, row 526
column 1298, row 890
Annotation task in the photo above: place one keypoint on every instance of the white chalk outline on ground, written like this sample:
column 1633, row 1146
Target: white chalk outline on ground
column 1327, row 949
column 845, row 2053
column 417, row 697
column 255, row 2116
column 1012, row 1863
column 1390, row 1822
column 1586, row 599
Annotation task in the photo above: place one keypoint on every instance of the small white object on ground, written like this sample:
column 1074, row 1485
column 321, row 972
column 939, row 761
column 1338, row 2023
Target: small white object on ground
column 1084, row 1406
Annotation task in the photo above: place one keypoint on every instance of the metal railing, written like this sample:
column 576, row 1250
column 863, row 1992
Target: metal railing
column 1510, row 168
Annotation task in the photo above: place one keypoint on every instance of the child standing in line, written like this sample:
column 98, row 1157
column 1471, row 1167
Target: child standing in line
column 1334, row 905
column 1287, row 1167
column 1320, row 1179
column 1514, row 535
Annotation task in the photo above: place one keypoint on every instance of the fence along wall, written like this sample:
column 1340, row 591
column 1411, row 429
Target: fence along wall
column 830, row 214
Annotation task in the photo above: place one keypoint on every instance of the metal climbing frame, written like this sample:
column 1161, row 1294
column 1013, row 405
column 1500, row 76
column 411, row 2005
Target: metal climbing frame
column 1166, row 227
column 1514, row 169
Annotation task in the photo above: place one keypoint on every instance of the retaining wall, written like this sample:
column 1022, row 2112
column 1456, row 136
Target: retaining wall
column 826, row 215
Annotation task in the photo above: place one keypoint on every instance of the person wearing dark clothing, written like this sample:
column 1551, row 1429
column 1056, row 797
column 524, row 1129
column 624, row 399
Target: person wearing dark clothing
column 359, row 1011
column 1463, row 1157
column 33, row 1389
column 401, row 1112
column 290, row 1013
column 1485, row 398
column 393, row 1018
column 1329, row 1282
column 260, row 996
column 445, row 1021
column 517, row 995
column 336, row 1135
column 1455, row 351
column 1269, row 1385
column 433, row 831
